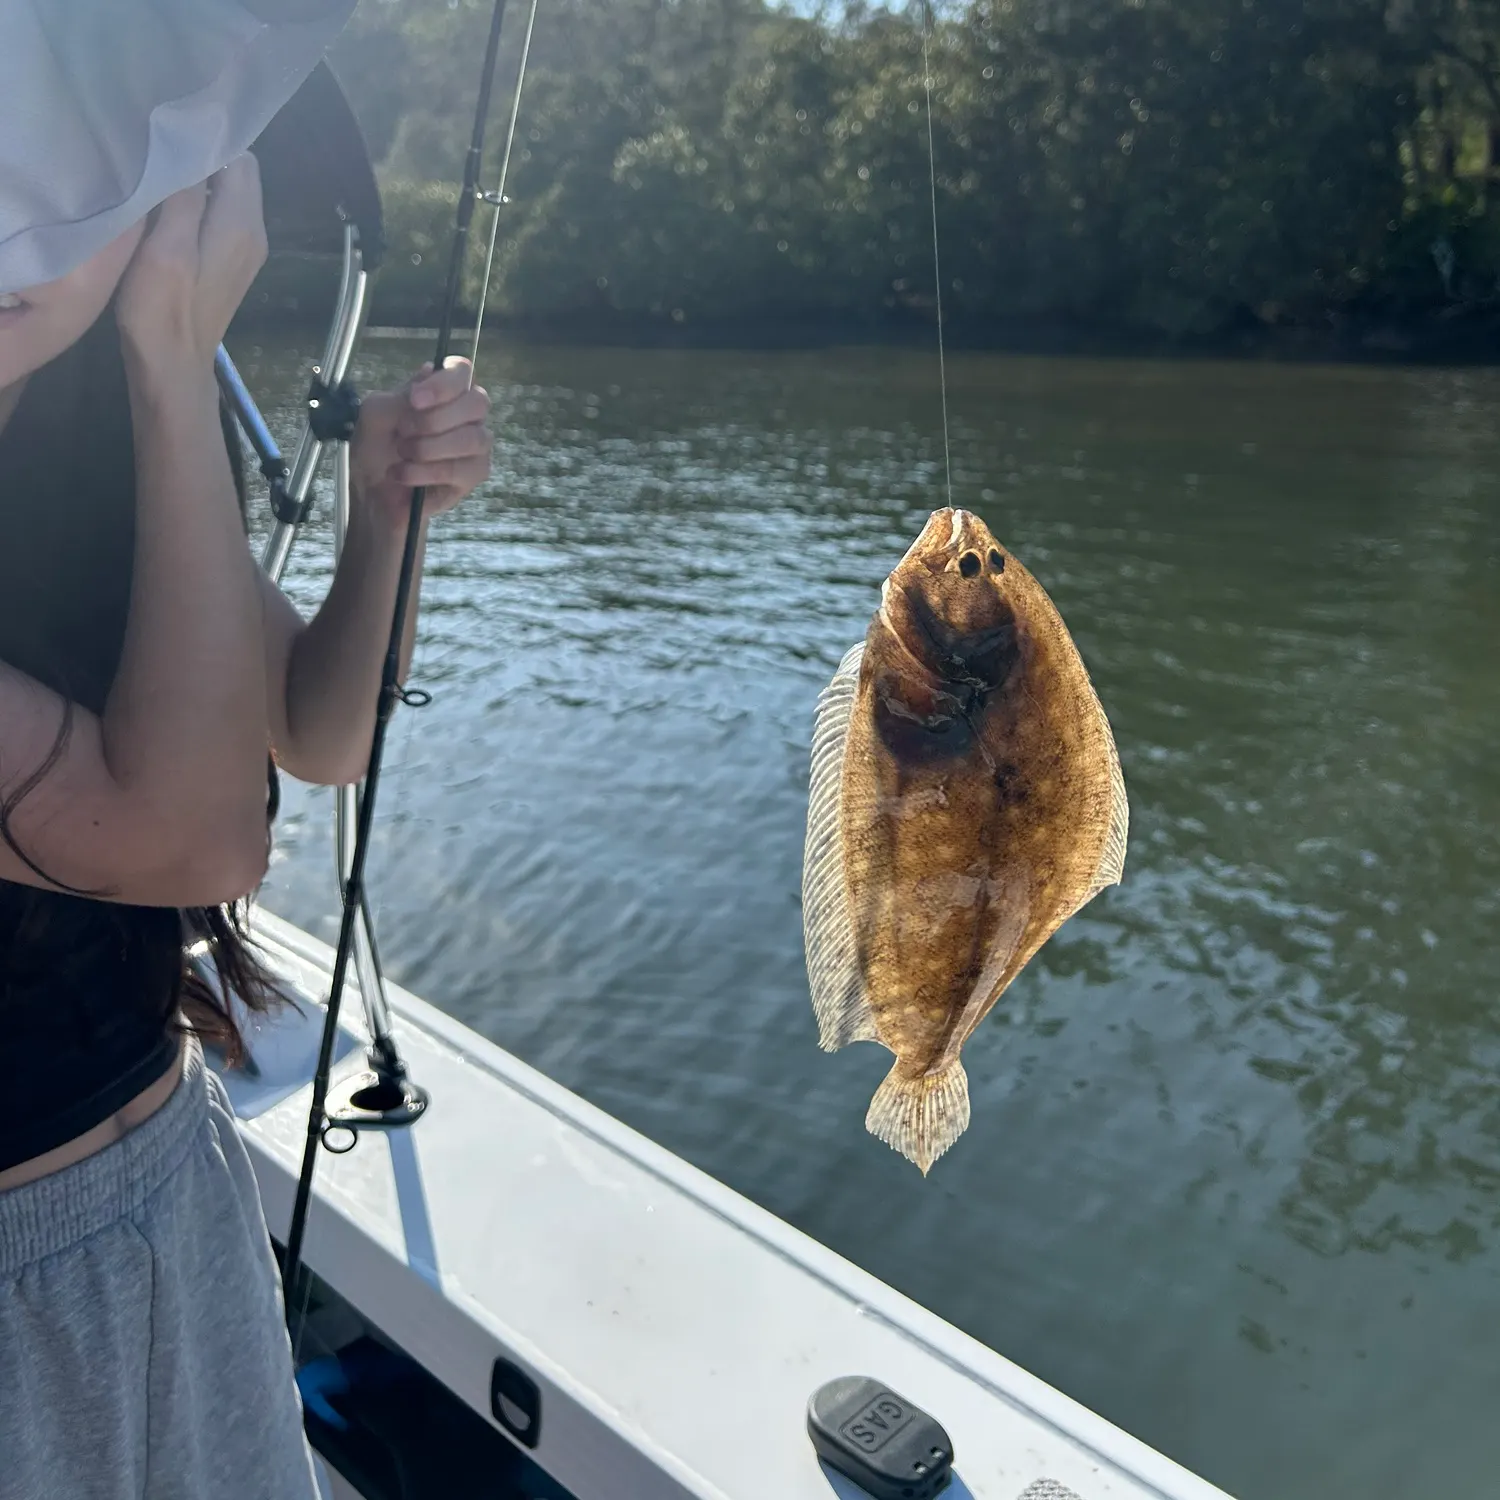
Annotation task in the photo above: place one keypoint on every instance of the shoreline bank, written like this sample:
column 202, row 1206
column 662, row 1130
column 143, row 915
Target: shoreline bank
column 1467, row 341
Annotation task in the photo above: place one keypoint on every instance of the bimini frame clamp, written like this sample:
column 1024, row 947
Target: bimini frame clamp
column 286, row 510
column 332, row 410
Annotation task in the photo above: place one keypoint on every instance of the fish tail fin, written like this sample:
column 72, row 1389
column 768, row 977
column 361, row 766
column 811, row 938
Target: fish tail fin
column 921, row 1117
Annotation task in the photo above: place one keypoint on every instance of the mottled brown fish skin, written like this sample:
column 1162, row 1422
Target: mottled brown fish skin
column 976, row 794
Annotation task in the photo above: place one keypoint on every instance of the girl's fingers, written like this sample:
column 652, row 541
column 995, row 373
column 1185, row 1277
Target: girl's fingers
column 464, row 475
column 457, row 408
column 468, row 441
column 468, row 407
column 436, row 388
column 174, row 234
column 233, row 232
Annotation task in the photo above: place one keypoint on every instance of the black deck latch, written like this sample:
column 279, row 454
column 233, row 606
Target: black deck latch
column 516, row 1402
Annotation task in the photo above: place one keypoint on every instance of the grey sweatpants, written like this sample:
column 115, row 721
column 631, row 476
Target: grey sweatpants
column 143, row 1354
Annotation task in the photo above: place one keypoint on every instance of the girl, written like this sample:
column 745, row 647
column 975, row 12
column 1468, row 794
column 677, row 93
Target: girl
column 146, row 668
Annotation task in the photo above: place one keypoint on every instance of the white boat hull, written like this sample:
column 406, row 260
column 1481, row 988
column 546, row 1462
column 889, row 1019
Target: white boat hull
column 675, row 1330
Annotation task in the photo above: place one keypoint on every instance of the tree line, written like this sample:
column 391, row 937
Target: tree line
column 1181, row 168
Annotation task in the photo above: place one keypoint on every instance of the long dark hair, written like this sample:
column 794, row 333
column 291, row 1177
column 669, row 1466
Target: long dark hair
column 204, row 1006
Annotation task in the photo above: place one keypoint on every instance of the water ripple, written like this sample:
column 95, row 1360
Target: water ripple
column 1232, row 1178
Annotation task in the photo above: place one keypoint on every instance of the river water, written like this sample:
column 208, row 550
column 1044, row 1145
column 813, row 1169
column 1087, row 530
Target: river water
column 1233, row 1170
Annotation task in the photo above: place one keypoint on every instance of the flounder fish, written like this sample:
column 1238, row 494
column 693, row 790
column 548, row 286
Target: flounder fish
column 966, row 800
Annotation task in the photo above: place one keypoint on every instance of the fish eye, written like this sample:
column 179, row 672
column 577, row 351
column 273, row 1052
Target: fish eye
column 969, row 564
column 996, row 561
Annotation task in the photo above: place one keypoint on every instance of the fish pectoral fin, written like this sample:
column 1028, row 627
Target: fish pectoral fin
column 921, row 1117
column 833, row 972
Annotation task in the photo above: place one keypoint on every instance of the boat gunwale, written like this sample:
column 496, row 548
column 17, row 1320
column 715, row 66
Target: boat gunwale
column 966, row 1356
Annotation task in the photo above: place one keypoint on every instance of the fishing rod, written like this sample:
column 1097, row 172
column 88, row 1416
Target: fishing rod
column 391, row 691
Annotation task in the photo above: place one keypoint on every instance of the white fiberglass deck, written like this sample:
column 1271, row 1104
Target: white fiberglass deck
column 675, row 1329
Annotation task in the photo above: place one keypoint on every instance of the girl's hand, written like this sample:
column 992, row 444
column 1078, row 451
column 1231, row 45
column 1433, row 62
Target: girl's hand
column 431, row 434
column 193, row 267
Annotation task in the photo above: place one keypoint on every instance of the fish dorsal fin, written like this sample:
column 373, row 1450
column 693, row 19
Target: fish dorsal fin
column 1112, row 859
column 838, row 989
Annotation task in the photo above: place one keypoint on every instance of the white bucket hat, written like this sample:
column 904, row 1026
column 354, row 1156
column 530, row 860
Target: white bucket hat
column 108, row 107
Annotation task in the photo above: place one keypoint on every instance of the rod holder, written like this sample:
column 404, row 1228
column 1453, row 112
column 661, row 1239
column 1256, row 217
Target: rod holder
column 381, row 1098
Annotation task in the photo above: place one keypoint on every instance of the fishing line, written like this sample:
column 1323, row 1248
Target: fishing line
column 499, row 193
column 497, row 200
column 391, row 693
column 937, row 269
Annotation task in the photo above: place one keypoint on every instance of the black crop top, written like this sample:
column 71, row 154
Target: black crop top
column 88, row 989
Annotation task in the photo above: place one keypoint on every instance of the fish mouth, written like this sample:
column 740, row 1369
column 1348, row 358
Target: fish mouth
column 949, row 533
column 968, row 534
column 927, row 539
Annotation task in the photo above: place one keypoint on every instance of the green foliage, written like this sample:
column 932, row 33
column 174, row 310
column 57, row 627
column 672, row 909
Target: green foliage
column 1178, row 166
column 419, row 225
